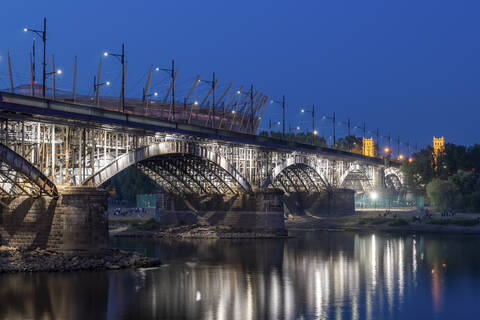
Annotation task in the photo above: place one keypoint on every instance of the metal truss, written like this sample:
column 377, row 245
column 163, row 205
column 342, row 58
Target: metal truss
column 19, row 177
column 184, row 174
column 86, row 153
column 299, row 177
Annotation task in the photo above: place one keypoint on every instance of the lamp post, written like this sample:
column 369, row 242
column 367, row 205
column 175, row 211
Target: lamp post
column 212, row 82
column 171, row 71
column 333, row 127
column 122, row 61
column 283, row 114
column 96, row 86
column 314, row 132
column 53, row 73
column 43, row 35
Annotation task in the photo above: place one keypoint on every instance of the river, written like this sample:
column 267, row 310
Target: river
column 336, row 275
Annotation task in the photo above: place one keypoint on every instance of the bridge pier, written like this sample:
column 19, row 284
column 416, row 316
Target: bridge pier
column 259, row 211
column 74, row 221
column 326, row 203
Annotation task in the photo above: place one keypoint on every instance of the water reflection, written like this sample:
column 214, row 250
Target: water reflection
column 317, row 276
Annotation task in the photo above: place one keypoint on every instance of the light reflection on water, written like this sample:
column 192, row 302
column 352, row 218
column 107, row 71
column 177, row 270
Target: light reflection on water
column 316, row 276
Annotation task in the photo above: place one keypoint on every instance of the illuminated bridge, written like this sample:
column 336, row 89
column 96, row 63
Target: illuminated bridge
column 51, row 145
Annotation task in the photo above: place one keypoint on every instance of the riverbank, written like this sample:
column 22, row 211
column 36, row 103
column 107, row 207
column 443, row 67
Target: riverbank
column 397, row 221
column 14, row 260
column 401, row 221
column 152, row 229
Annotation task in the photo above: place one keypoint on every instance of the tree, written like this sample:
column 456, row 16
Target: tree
column 442, row 194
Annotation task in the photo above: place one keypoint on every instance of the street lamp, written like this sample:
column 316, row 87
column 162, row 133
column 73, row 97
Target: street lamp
column 122, row 61
column 333, row 127
column 313, row 121
column 283, row 114
column 171, row 71
column 96, row 86
column 213, row 83
column 43, row 35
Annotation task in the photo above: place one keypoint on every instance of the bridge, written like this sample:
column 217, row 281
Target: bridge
column 49, row 146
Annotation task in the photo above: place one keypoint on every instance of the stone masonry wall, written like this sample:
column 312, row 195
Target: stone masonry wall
column 74, row 221
column 257, row 211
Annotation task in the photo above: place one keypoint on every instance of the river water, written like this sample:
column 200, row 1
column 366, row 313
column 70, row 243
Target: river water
column 319, row 275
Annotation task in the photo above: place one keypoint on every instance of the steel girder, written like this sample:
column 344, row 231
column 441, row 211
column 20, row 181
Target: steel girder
column 20, row 177
column 184, row 174
column 203, row 165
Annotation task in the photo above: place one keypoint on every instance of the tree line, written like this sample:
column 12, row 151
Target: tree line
column 452, row 181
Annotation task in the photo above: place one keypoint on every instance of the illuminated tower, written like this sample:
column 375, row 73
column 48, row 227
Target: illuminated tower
column 368, row 147
column 438, row 149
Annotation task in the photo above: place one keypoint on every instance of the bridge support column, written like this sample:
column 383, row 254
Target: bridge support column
column 75, row 220
column 379, row 179
column 261, row 210
column 336, row 202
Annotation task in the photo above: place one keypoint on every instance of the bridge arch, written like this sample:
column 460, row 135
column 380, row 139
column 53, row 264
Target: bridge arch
column 297, row 174
column 394, row 180
column 20, row 177
column 179, row 167
column 356, row 178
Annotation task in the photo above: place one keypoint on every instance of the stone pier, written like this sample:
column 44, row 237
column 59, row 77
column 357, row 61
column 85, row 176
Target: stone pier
column 326, row 203
column 262, row 210
column 76, row 220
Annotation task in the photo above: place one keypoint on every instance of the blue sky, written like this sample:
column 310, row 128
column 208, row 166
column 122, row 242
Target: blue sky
column 410, row 68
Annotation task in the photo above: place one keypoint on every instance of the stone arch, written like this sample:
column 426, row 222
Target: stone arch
column 180, row 167
column 20, row 177
column 297, row 174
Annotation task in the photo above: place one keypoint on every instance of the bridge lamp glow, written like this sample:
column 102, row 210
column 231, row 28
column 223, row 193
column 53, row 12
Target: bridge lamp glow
column 410, row 160
column 59, row 71
column 238, row 92
column 387, row 150
column 25, row 29
column 278, row 123
column 107, row 83
column 315, row 132
column 195, row 103
column 157, row 69
column 303, row 110
column 298, row 127
column 400, row 157
column 105, row 54
column 259, row 118
column 233, row 111
column 373, row 196
column 155, row 94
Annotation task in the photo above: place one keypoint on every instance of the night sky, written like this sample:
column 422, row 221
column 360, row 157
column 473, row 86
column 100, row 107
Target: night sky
column 411, row 68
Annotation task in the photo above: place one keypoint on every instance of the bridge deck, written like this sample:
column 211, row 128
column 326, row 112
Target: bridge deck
column 20, row 107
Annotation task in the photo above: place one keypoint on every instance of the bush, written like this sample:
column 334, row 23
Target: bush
column 455, row 221
column 399, row 223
